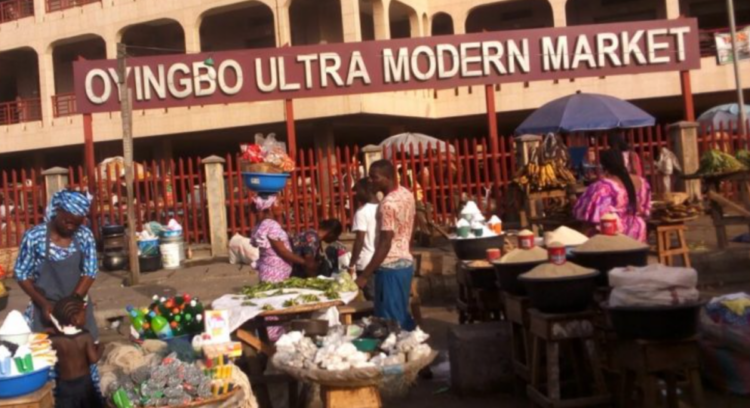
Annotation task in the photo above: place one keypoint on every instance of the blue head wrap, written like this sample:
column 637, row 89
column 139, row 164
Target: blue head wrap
column 73, row 202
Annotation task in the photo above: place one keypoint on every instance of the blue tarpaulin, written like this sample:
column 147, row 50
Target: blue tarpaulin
column 585, row 112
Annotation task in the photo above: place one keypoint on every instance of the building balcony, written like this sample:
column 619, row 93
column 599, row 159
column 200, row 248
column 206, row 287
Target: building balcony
column 20, row 111
column 64, row 105
column 12, row 10
column 59, row 5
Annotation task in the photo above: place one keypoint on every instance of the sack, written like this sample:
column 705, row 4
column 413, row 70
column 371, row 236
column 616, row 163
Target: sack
column 653, row 285
column 241, row 251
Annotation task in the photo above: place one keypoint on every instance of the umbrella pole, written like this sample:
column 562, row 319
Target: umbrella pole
column 489, row 96
column 735, row 62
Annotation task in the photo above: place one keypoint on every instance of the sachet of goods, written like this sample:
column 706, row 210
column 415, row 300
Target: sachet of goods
column 610, row 243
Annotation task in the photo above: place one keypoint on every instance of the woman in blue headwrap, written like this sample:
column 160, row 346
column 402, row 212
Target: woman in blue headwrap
column 57, row 259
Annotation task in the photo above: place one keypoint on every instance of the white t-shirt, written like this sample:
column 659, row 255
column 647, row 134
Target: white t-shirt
column 365, row 220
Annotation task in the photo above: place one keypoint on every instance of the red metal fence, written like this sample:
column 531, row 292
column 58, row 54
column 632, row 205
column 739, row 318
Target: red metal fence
column 59, row 5
column 11, row 10
column 22, row 202
column 64, row 104
column 24, row 110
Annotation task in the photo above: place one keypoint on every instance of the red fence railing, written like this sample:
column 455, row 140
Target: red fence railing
column 24, row 110
column 59, row 5
column 64, row 105
column 11, row 10
column 22, row 202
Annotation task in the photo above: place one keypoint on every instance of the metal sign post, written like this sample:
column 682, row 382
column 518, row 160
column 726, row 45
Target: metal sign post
column 126, row 109
column 736, row 64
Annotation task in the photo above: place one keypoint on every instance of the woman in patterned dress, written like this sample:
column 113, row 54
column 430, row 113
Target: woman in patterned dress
column 617, row 192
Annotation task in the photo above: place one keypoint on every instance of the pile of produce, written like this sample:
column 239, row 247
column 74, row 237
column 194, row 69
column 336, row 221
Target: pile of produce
column 520, row 255
column 266, row 155
column 171, row 382
column 329, row 289
column 743, row 155
column 552, row 271
column 166, row 318
column 675, row 212
column 338, row 352
column 610, row 243
column 547, row 168
column 566, row 236
column 715, row 162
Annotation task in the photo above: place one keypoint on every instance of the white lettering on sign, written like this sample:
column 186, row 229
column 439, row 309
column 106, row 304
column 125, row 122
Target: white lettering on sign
column 429, row 54
column 466, row 60
column 273, row 83
column 608, row 44
column 442, row 49
column 519, row 56
column 308, row 60
column 680, row 33
column 631, row 47
column 186, row 85
column 203, row 75
column 239, row 79
column 283, row 84
column 396, row 71
column 358, row 70
column 155, row 82
column 106, row 86
column 654, row 46
column 555, row 54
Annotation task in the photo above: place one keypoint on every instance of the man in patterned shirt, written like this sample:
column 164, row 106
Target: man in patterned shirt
column 392, row 263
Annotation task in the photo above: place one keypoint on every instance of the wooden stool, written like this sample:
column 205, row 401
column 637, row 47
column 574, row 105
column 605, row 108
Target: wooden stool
column 42, row 398
column 517, row 312
column 359, row 397
column 551, row 331
column 645, row 363
column 664, row 249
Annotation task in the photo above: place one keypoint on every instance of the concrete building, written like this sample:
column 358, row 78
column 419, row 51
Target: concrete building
column 40, row 39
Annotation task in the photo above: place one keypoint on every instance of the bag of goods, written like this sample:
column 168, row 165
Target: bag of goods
column 601, row 243
column 653, row 285
column 566, row 236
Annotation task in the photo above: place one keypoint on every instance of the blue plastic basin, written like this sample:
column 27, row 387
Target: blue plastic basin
column 265, row 183
column 11, row 387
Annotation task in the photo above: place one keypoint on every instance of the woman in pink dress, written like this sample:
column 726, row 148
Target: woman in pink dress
column 276, row 256
column 618, row 192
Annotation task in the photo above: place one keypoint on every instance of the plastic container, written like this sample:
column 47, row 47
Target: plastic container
column 366, row 345
column 472, row 249
column 12, row 387
column 109, row 230
column 655, row 322
column 148, row 247
column 149, row 263
column 606, row 261
column 170, row 256
column 175, row 239
column 265, row 183
column 114, row 261
column 561, row 295
column 507, row 276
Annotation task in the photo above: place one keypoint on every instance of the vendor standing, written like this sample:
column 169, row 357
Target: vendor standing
column 617, row 192
column 392, row 263
column 56, row 260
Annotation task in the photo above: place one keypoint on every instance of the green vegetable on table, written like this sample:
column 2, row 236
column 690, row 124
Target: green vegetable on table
column 717, row 162
column 268, row 307
column 330, row 288
column 743, row 155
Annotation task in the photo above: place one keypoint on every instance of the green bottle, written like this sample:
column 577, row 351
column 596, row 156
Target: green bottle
column 121, row 399
column 160, row 326
column 136, row 319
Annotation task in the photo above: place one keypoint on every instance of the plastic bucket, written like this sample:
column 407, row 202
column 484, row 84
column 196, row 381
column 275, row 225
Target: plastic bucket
column 148, row 247
column 175, row 239
column 170, row 255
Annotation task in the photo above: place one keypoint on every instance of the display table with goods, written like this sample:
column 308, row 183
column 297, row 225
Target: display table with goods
column 356, row 361
column 265, row 165
column 273, row 304
column 476, row 240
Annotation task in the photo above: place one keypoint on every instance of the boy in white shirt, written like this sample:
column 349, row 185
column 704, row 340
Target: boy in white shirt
column 365, row 227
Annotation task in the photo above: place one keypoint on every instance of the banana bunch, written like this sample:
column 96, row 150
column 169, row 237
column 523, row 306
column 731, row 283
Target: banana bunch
column 716, row 162
column 743, row 156
column 548, row 176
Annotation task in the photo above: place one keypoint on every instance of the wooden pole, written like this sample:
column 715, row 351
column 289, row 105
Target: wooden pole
column 126, row 111
column 291, row 133
column 489, row 96
column 89, row 161
column 736, row 63
column 687, row 96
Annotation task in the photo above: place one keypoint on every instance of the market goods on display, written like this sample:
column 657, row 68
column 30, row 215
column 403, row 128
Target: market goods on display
column 669, row 212
column 653, row 285
column 322, row 290
column 715, row 162
column 566, row 236
column 743, row 155
column 547, row 168
column 551, row 271
column 519, row 255
column 167, row 318
column 171, row 382
column 606, row 243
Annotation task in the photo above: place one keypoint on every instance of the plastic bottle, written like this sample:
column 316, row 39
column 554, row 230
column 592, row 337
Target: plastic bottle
column 177, row 327
column 160, row 326
column 161, row 307
column 136, row 319
column 197, row 326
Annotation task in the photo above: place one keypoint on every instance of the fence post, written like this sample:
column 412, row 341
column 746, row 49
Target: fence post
column 55, row 179
column 217, row 210
column 372, row 154
column 685, row 138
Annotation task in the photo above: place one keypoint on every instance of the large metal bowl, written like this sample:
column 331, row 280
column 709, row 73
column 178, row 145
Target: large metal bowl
column 470, row 249
column 561, row 295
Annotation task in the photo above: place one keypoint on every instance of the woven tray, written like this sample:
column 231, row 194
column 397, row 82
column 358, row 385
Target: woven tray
column 200, row 403
column 7, row 261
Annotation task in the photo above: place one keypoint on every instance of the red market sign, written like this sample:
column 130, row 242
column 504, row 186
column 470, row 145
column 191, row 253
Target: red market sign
column 393, row 65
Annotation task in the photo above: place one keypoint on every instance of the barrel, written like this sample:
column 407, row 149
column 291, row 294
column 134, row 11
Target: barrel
column 172, row 250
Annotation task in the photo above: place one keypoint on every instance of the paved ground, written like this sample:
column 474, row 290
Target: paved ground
column 724, row 271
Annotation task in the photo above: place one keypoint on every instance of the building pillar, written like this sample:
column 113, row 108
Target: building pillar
column 217, row 210
column 459, row 22
column 40, row 10
column 685, row 137
column 381, row 19
column 191, row 27
column 350, row 20
column 46, row 84
column 55, row 179
column 284, row 26
column 559, row 13
column 415, row 25
column 673, row 9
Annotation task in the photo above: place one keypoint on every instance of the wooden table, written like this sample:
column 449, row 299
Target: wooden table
column 42, row 398
column 720, row 204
